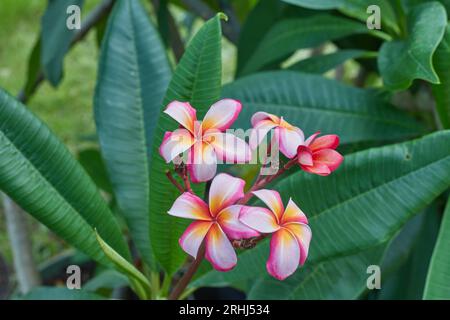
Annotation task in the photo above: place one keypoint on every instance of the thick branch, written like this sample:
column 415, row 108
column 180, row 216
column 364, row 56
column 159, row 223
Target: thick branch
column 19, row 237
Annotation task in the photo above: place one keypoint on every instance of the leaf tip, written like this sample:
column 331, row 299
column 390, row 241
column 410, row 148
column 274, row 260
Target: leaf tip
column 222, row 16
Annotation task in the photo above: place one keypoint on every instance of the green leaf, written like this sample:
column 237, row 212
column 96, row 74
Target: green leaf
column 92, row 162
column 108, row 279
column 40, row 174
column 58, row 293
column 361, row 205
column 402, row 61
column 56, row 38
column 196, row 79
column 138, row 281
column 34, row 68
column 340, row 278
column 438, row 279
column 441, row 91
column 323, row 63
column 354, row 8
column 256, row 25
column 408, row 279
column 289, row 35
column 314, row 103
column 133, row 76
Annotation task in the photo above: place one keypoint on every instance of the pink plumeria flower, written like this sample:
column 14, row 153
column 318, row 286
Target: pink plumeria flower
column 291, row 234
column 288, row 136
column 205, row 141
column 216, row 223
column 318, row 155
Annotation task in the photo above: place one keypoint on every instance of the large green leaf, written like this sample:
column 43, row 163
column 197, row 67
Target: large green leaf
column 132, row 79
column 340, row 278
column 402, row 61
column 441, row 91
column 361, row 205
column 256, row 25
column 354, row 8
column 315, row 103
column 406, row 264
column 196, row 79
column 326, row 62
column 56, row 38
column 40, row 174
column 438, row 280
column 289, row 35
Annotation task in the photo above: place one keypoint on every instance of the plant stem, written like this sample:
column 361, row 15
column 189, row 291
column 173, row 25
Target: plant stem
column 186, row 278
column 174, row 182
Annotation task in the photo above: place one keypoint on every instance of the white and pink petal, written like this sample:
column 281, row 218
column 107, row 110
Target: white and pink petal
column 219, row 250
column 221, row 115
column 228, row 220
column 175, row 143
column 272, row 199
column 202, row 162
column 225, row 190
column 303, row 234
column 284, row 254
column 183, row 113
column 260, row 219
column 190, row 206
column 192, row 238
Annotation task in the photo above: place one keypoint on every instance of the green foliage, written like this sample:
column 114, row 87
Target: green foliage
column 55, row 293
column 314, row 103
column 55, row 38
column 323, row 63
column 133, row 76
column 401, row 61
column 441, row 91
column 438, row 279
column 289, row 35
column 196, row 79
column 39, row 173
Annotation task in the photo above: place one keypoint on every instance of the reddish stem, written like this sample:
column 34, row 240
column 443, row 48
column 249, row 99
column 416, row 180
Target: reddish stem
column 174, row 182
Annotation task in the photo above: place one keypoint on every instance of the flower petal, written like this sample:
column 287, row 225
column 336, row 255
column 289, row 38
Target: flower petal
column 293, row 214
column 228, row 220
column 290, row 139
column 190, row 206
column 259, row 132
column 273, row 200
column 193, row 237
column 305, row 157
column 225, row 190
column 221, row 115
column 260, row 116
column 317, row 168
column 228, row 147
column 259, row 219
column 219, row 250
column 183, row 113
column 302, row 233
column 330, row 141
column 311, row 138
column 175, row 143
column 202, row 162
column 284, row 254
column 331, row 158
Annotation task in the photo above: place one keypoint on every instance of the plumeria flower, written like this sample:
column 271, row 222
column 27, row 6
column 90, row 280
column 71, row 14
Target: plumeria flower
column 291, row 234
column 318, row 155
column 205, row 141
column 216, row 223
column 288, row 136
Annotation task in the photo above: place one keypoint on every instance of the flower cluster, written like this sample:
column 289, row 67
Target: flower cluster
column 224, row 221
